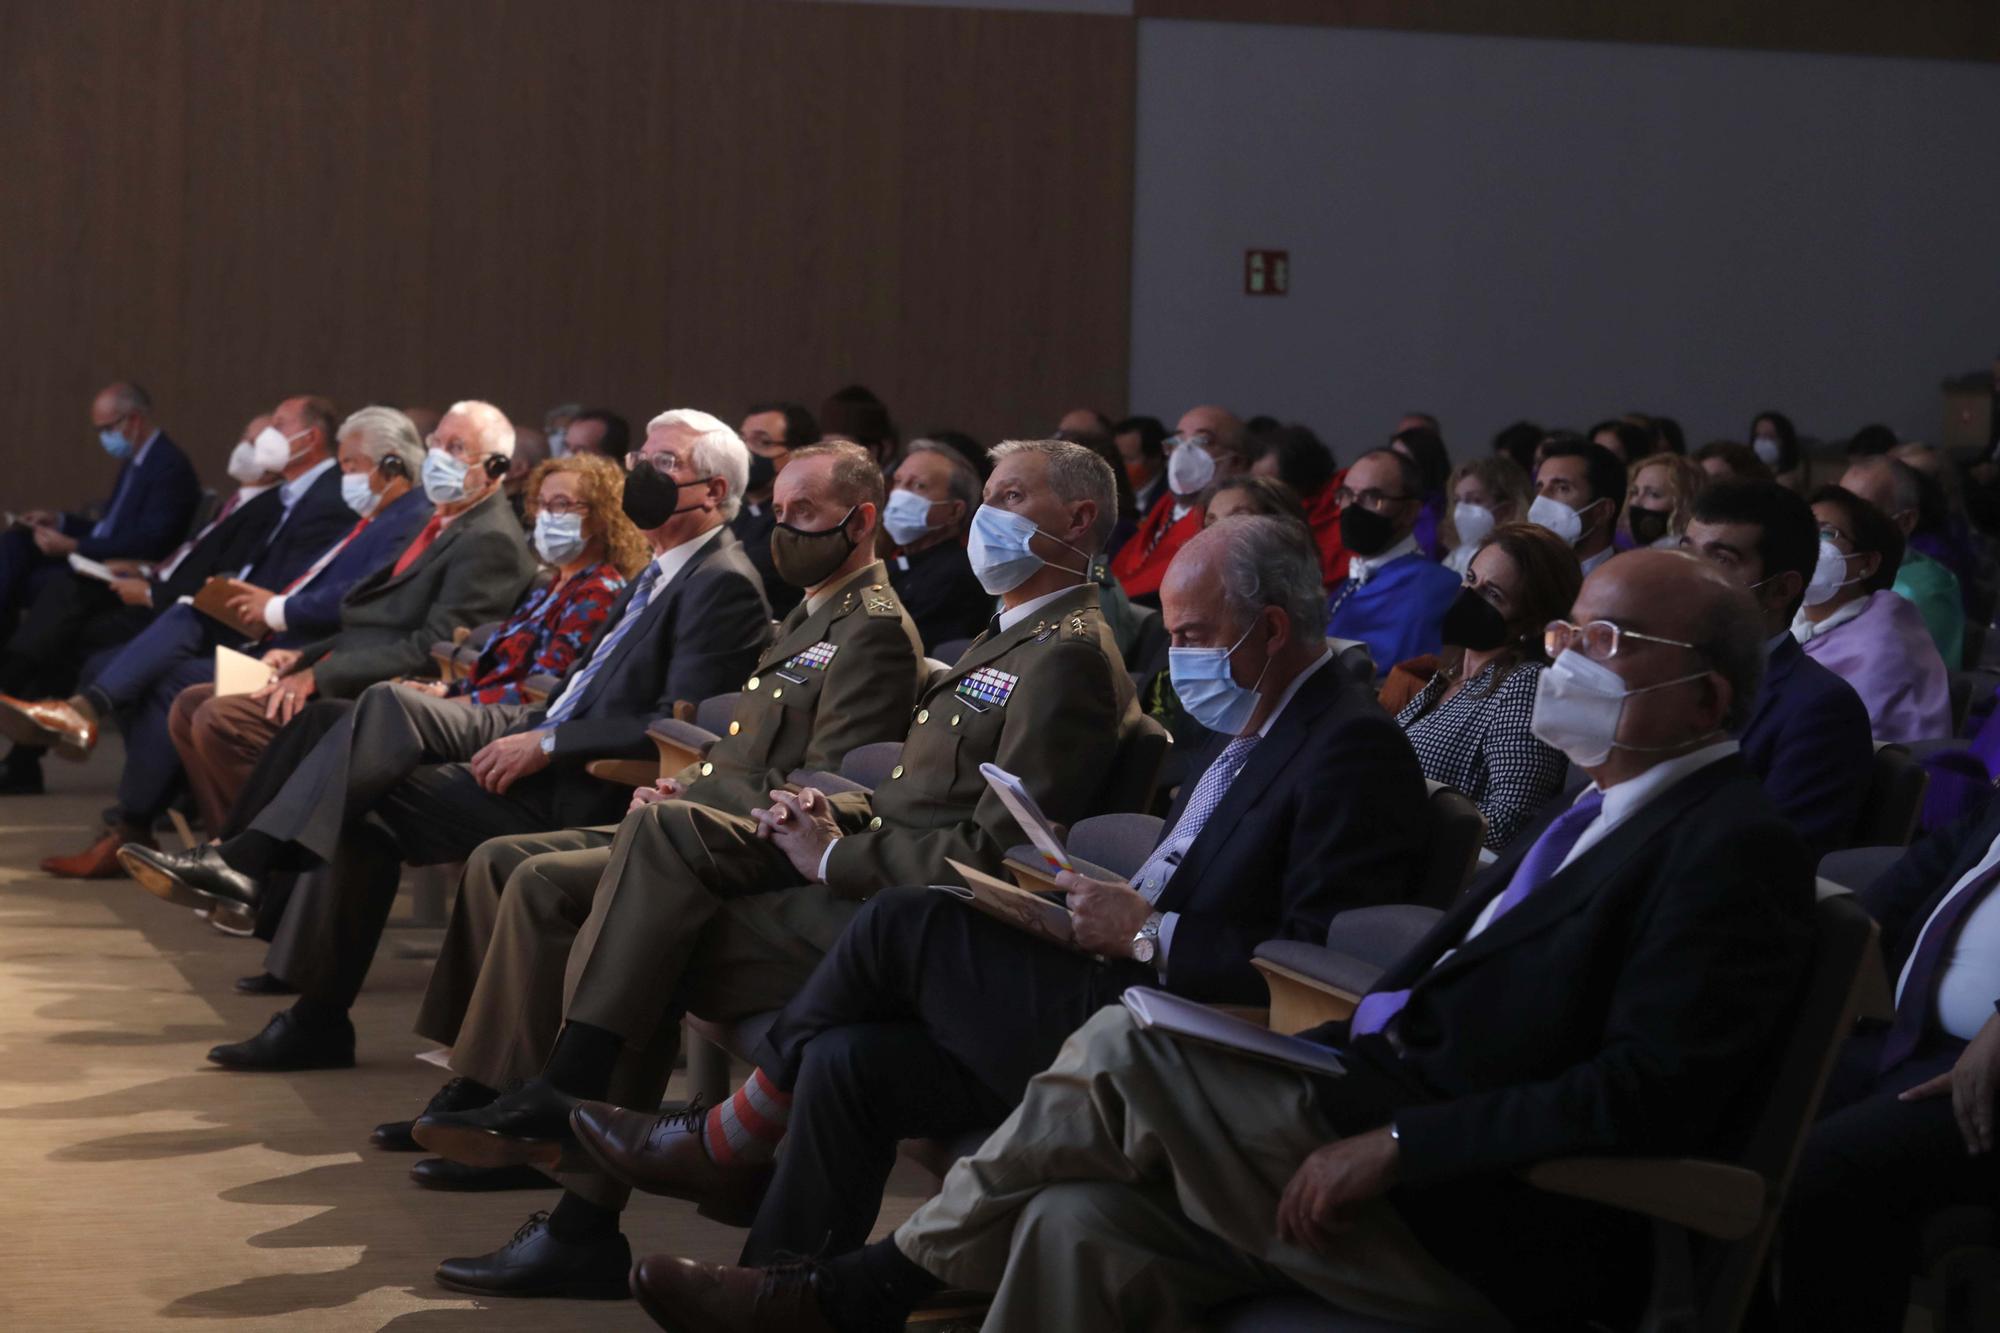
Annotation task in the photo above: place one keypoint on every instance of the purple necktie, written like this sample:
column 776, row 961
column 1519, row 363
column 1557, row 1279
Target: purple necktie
column 1913, row 1011
column 1537, row 868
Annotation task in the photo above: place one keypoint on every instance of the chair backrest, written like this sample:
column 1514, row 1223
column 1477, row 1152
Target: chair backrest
column 1354, row 659
column 1857, row 867
column 1380, row 935
column 1135, row 772
column 1815, row 1028
column 714, row 712
column 950, row 650
column 1118, row 842
column 1457, row 831
column 869, row 765
column 1962, row 683
column 1895, row 797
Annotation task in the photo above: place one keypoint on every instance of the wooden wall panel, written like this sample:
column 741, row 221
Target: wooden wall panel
column 641, row 202
column 1940, row 29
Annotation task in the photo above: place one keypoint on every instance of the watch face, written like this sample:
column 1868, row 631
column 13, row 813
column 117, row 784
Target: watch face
column 1142, row 949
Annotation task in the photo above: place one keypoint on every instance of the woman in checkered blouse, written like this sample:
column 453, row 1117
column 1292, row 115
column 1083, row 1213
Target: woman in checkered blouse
column 1469, row 725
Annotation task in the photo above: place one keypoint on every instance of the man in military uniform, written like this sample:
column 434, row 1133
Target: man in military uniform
column 845, row 671
column 727, row 917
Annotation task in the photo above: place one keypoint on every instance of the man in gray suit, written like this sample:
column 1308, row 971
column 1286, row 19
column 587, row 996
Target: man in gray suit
column 408, row 777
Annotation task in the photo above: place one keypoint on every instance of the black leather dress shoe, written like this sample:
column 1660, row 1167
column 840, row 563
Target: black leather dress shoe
column 197, row 878
column 264, row 984
column 286, row 1043
column 527, row 1127
column 535, row 1263
column 440, row 1173
column 460, row 1094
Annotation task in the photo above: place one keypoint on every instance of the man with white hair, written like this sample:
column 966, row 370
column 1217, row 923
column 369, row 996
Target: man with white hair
column 411, row 778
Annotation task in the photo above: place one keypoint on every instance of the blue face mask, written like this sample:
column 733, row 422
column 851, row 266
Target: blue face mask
column 558, row 537
column 998, row 549
column 444, row 478
column 114, row 443
column 1209, row 691
column 360, row 497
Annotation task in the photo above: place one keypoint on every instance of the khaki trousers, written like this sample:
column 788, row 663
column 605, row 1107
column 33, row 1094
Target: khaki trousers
column 1137, row 1186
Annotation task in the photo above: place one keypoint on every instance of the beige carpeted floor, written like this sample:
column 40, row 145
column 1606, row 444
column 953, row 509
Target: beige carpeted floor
column 141, row 1187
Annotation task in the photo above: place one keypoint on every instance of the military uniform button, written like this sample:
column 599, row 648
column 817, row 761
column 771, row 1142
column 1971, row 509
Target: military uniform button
column 875, row 823
column 778, row 693
column 706, row 769
column 923, row 716
column 752, row 685
column 735, row 727
column 896, row 772
column 955, row 717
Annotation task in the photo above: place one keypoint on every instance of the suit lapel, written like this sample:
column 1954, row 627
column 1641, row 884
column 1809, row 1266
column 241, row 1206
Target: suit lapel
column 1784, row 660
column 469, row 520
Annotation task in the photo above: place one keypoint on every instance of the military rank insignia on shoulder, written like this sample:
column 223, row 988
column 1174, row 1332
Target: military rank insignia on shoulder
column 1081, row 625
column 880, row 602
column 986, row 688
column 816, row 658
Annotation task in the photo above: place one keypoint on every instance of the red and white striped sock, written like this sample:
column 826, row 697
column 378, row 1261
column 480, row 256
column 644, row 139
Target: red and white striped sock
column 746, row 1128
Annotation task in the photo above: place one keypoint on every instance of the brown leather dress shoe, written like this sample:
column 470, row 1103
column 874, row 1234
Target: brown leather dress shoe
column 49, row 723
column 690, row 1297
column 97, row 861
column 662, row 1154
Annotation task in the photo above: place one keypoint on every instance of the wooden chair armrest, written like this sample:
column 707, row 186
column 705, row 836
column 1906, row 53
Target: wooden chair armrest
column 1713, row 1198
column 445, row 655
column 1299, row 1001
column 624, row 772
column 680, row 743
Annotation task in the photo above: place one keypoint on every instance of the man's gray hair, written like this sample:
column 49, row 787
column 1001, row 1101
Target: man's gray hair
column 1076, row 474
column 717, row 451
column 382, row 432
column 129, row 397
column 489, row 426
column 963, row 483
column 1904, row 481
column 1273, row 562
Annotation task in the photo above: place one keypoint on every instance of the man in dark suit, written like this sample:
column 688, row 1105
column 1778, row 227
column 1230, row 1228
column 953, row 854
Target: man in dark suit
column 1907, row 1123
column 409, row 777
column 1807, row 737
column 1614, row 984
column 1309, row 802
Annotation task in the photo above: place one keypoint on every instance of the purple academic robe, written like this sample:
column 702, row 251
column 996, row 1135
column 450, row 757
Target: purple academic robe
column 1889, row 658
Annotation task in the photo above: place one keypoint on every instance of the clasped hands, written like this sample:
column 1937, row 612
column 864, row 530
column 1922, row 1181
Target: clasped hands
column 799, row 824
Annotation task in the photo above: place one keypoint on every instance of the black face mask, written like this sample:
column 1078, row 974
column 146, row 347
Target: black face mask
column 1365, row 532
column 651, row 497
column 1474, row 624
column 763, row 471
column 806, row 559
column 1648, row 525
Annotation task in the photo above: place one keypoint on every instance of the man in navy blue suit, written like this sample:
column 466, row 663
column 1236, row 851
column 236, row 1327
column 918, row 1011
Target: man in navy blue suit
column 1808, row 736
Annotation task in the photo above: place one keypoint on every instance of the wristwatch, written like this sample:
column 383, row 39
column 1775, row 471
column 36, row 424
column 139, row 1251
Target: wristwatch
column 1146, row 944
column 549, row 742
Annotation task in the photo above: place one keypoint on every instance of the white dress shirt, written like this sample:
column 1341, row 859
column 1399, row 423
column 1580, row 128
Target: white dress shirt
column 288, row 498
column 1969, row 975
column 1362, row 568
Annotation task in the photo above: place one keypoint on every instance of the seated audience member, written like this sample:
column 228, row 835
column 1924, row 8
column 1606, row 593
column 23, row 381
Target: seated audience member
column 1627, row 441
column 596, row 431
column 700, row 910
column 1726, row 460
column 78, row 623
column 408, row 778
column 1897, row 489
column 144, row 518
column 1906, row 1123
column 1807, row 737
column 468, row 564
column 1658, row 500
column 425, row 419
column 1084, row 421
column 1425, row 447
column 555, row 428
column 1308, row 803
column 1253, row 496
column 1519, row 442
column 1207, row 446
column 1486, row 493
column 531, row 450
column 304, row 557
column 933, row 497
column 1393, row 598
column 855, row 413
column 1296, row 457
column 1944, row 530
column 967, row 448
column 1612, row 985
column 1578, row 491
column 1668, row 437
column 1100, row 443
column 1873, row 438
column 770, row 432
column 1775, row 442
column 1141, row 444
column 1856, row 625
column 1470, row 723
column 1417, row 421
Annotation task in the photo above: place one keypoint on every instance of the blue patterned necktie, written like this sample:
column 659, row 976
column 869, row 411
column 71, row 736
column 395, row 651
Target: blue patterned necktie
column 571, row 698
column 1537, row 868
column 1208, row 793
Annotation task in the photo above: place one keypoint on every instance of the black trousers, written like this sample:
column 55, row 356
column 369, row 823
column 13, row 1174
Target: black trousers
column 926, row 1020
column 69, row 618
column 1873, row 1169
column 282, row 757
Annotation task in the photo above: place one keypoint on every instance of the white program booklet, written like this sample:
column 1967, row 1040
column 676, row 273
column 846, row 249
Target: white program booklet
column 238, row 673
column 1027, row 814
column 1191, row 1021
column 90, row 569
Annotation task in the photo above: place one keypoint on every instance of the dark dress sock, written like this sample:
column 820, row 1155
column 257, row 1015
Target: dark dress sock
column 575, row 1219
column 583, row 1059
column 873, row 1288
column 318, row 1013
column 251, row 853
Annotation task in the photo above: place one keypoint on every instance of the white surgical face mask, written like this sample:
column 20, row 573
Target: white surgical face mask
column 243, row 463
column 1558, row 518
column 1474, row 523
column 1766, row 450
column 1208, row 689
column 444, row 478
column 907, row 516
column 273, row 448
column 1829, row 575
column 1578, row 703
column 558, row 537
column 1190, row 468
column 355, row 490
column 998, row 549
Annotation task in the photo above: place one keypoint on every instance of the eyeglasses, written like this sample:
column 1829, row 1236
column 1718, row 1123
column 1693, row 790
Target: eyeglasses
column 1832, row 533
column 458, row 449
column 666, row 463
column 562, row 506
column 1368, row 499
column 1600, row 640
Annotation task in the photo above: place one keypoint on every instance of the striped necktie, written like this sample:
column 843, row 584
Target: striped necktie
column 570, row 699
column 1208, row 793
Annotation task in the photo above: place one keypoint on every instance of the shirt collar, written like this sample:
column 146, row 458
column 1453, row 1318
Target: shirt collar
column 140, row 453
column 245, row 494
column 1362, row 568
column 1592, row 562
column 1011, row 618
column 1285, row 699
column 675, row 558
column 290, row 491
column 1805, row 631
column 1629, row 797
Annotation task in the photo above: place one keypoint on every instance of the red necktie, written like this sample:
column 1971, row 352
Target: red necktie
column 313, row 571
column 419, row 546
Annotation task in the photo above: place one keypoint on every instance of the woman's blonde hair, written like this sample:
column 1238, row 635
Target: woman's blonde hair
column 1503, row 479
column 1684, row 477
column 603, row 484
